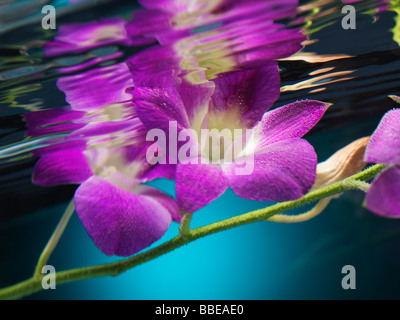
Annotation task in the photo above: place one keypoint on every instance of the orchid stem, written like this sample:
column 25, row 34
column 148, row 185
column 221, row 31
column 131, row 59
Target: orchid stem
column 33, row 284
column 184, row 230
column 52, row 243
column 357, row 184
column 286, row 218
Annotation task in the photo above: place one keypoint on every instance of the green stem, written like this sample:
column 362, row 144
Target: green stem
column 33, row 285
column 184, row 230
column 47, row 251
column 357, row 184
column 286, row 218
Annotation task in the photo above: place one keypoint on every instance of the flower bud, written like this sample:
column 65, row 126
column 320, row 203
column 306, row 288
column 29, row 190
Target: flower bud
column 342, row 164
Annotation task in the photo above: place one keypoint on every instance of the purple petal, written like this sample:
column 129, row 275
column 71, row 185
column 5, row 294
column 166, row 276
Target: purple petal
column 290, row 121
column 165, row 200
column 66, row 166
column 167, row 66
column 182, row 95
column 171, row 110
column 196, row 99
column 157, row 66
column 283, row 171
column 256, row 51
column 147, row 25
column 157, row 107
column 53, row 145
column 246, row 43
column 86, row 91
column 166, row 171
column 129, row 162
column 266, row 10
column 50, row 121
column 198, row 184
column 175, row 6
column 93, row 129
column 249, row 94
column 118, row 221
column 71, row 68
column 384, row 145
column 383, row 198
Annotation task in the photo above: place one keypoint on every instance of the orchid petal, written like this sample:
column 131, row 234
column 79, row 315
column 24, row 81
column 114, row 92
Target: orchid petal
column 53, row 145
column 157, row 108
column 167, row 201
column 173, row 109
column 290, row 121
column 384, row 145
column 50, row 121
column 161, row 62
column 283, row 171
column 166, row 171
column 197, row 184
column 176, row 6
column 248, row 94
column 85, row 91
column 147, row 24
column 118, row 221
column 66, row 166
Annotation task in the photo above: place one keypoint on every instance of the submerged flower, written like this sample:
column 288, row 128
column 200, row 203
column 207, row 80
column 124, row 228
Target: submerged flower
column 383, row 197
column 102, row 148
column 283, row 164
column 121, row 215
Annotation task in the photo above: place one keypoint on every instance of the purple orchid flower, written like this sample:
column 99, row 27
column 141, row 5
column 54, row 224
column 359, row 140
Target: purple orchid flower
column 383, row 197
column 103, row 150
column 121, row 215
column 284, row 164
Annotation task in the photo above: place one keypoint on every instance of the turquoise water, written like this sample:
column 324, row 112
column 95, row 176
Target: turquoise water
column 259, row 261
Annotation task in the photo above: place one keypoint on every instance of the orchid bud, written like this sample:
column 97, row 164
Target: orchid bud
column 342, row 164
